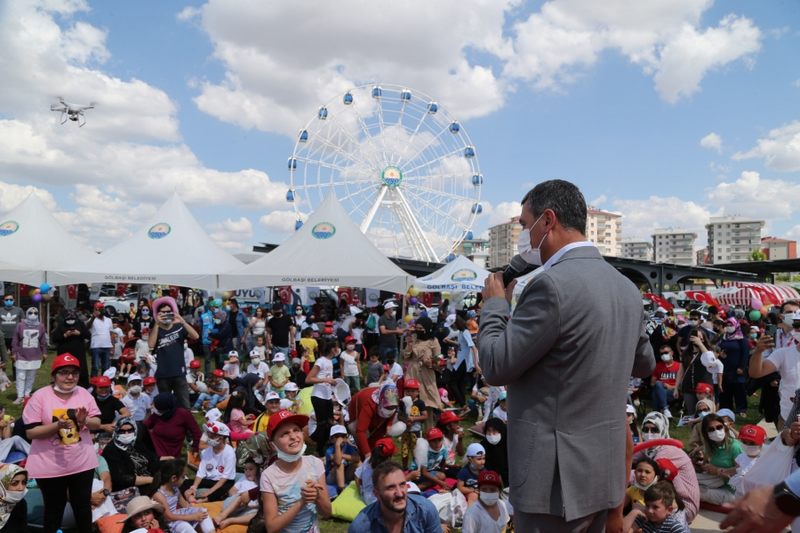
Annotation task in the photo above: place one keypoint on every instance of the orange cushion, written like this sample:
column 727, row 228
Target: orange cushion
column 111, row 523
column 214, row 508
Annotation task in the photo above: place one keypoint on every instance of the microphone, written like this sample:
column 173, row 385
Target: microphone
column 516, row 267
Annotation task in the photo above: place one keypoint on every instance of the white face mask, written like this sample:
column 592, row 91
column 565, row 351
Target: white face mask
column 717, row 436
column 489, row 498
column 15, row 496
column 135, row 390
column 729, row 329
column 692, row 323
column 649, row 436
column 63, row 391
column 214, row 442
column 289, row 457
column 531, row 255
column 126, row 438
column 385, row 413
column 751, row 450
column 645, row 487
column 494, row 438
column 350, row 347
column 666, row 357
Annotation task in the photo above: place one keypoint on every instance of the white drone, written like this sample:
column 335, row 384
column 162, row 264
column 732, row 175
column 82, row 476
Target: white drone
column 73, row 112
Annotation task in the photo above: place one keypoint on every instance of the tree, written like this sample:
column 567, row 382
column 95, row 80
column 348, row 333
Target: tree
column 758, row 255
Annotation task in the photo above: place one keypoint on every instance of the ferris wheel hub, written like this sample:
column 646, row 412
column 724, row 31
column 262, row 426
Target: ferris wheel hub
column 392, row 176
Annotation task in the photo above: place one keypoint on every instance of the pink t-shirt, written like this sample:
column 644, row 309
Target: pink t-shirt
column 66, row 452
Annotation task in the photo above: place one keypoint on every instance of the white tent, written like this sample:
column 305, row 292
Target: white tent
column 329, row 249
column 171, row 248
column 459, row 275
column 33, row 244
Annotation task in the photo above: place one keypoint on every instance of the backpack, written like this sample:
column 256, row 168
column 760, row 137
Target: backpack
column 371, row 323
column 256, row 448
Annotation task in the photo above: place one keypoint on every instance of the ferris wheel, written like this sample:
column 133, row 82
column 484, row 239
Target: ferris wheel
column 402, row 167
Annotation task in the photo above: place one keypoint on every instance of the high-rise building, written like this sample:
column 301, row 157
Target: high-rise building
column 637, row 249
column 476, row 250
column 733, row 239
column 702, row 256
column 604, row 229
column 674, row 246
column 503, row 242
column 776, row 248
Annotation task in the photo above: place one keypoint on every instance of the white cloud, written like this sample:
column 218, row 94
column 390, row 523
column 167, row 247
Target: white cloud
column 12, row 195
column 281, row 222
column 780, row 149
column 287, row 58
column 502, row 212
column 232, row 234
column 555, row 45
column 642, row 216
column 753, row 196
column 712, row 141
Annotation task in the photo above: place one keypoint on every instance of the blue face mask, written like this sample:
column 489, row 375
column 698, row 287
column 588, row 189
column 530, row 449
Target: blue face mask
column 8, row 303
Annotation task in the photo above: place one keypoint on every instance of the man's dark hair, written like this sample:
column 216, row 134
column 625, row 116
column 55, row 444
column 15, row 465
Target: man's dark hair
column 662, row 490
column 162, row 305
column 564, row 198
column 789, row 302
column 383, row 470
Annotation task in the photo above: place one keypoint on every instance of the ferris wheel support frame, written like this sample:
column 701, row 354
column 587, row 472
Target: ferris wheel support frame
column 417, row 236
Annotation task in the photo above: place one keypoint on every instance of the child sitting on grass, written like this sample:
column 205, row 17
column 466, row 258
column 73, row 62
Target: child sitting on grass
column 238, row 507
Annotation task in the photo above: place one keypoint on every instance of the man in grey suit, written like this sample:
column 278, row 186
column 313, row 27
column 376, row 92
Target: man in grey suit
column 566, row 354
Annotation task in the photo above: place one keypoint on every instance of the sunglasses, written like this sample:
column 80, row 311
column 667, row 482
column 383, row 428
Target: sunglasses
column 715, row 428
column 649, row 429
column 9, row 299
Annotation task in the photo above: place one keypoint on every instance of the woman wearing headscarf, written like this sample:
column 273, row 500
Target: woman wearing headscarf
column 656, row 426
column 495, row 444
column 372, row 411
column 13, row 508
column 736, row 358
column 130, row 463
column 169, row 425
column 421, row 353
column 70, row 336
column 28, row 349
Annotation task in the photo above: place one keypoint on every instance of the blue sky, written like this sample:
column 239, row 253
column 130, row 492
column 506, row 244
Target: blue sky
column 205, row 99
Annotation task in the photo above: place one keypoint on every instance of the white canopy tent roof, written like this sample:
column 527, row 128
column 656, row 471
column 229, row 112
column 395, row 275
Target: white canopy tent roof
column 33, row 244
column 171, row 248
column 329, row 249
column 459, row 275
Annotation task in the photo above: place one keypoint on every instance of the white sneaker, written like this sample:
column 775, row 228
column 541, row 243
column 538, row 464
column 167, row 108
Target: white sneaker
column 667, row 412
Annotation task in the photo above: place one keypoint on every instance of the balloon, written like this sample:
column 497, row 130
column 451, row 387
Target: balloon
column 413, row 300
column 754, row 315
column 47, row 296
column 765, row 310
column 756, row 303
column 32, row 292
column 408, row 318
column 226, row 295
column 37, row 297
column 45, row 287
column 413, row 291
column 37, row 291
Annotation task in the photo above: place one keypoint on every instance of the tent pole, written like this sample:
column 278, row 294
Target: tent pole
column 403, row 318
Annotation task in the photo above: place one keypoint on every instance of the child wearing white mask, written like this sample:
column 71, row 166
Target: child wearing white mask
column 217, row 470
column 752, row 438
column 489, row 514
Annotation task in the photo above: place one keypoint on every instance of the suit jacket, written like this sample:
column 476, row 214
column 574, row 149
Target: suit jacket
column 566, row 354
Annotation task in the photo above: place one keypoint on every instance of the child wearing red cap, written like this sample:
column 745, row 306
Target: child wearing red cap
column 752, row 438
column 293, row 490
column 490, row 514
column 432, row 456
column 412, row 411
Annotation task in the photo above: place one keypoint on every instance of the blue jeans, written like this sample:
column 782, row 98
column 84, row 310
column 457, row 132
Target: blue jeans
column 213, row 400
column 100, row 360
column 661, row 396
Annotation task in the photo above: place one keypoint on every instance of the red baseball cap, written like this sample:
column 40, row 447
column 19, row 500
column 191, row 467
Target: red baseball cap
column 668, row 468
column 704, row 388
column 194, row 363
column 281, row 417
column 490, row 477
column 65, row 359
column 218, row 373
column 448, row 417
column 149, row 380
column 99, row 305
column 752, row 433
column 349, row 339
column 102, row 381
column 434, row 433
column 411, row 384
column 387, row 446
